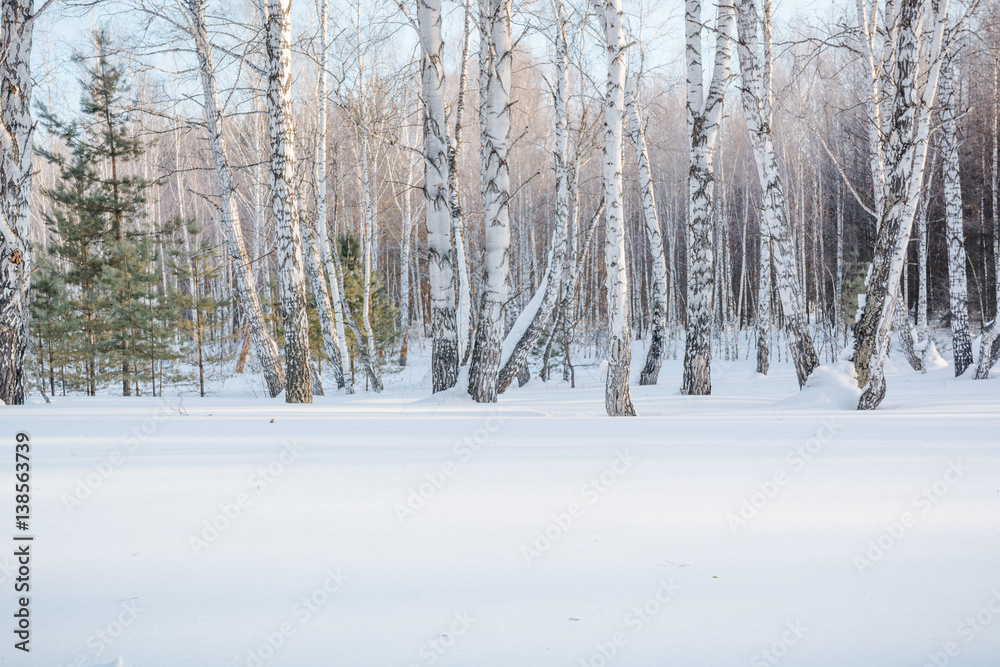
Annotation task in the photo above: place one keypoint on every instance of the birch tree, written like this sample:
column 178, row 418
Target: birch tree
column 755, row 72
column 17, row 21
column 284, row 204
column 703, row 115
column 338, row 354
column 987, row 347
column 494, row 118
column 532, row 321
column 464, row 310
column 763, row 319
column 958, row 289
column 904, row 156
column 229, row 213
column 617, row 399
column 444, row 353
column 658, row 299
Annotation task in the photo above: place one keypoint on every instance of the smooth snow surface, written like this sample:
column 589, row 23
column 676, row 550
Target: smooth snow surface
column 756, row 526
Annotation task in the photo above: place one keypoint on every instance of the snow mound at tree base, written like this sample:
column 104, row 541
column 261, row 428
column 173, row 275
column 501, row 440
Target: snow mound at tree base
column 932, row 358
column 831, row 387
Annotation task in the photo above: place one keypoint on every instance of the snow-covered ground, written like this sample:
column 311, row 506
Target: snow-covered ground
column 753, row 527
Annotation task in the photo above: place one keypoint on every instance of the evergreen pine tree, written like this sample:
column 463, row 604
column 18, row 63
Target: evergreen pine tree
column 97, row 204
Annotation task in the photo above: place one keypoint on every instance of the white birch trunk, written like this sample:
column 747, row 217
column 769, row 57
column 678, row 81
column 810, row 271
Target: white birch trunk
column 703, row 115
column 444, row 354
column 552, row 284
column 16, row 134
column 617, row 399
column 764, row 305
column 464, row 311
column 906, row 143
column 495, row 63
column 406, row 215
column 284, row 204
column 774, row 206
column 988, row 349
column 658, row 298
column 321, row 294
column 954, row 222
column 246, row 287
column 319, row 234
column 367, row 243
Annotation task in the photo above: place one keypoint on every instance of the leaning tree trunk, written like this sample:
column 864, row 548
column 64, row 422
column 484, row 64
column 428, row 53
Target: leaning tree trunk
column 229, row 213
column 321, row 295
column 658, row 299
column 905, row 152
column 495, row 62
column 617, row 400
column 907, row 337
column 543, row 304
column 16, row 26
column 756, row 96
column 318, row 231
column 987, row 349
column 703, row 115
column 954, row 232
column 444, row 353
column 291, row 279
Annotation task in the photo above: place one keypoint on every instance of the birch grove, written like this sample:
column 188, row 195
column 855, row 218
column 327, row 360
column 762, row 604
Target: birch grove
column 246, row 288
column 320, row 215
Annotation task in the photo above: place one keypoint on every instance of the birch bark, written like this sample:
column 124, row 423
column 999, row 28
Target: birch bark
column 954, row 222
column 319, row 233
column 552, row 284
column 617, row 399
column 444, row 353
column 905, row 153
column 16, row 31
column 774, row 206
column 703, row 114
column 658, row 298
column 988, row 348
column 464, row 310
column 495, row 64
column 764, row 306
column 288, row 239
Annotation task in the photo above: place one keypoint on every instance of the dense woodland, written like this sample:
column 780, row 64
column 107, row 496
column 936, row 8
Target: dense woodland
column 311, row 193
